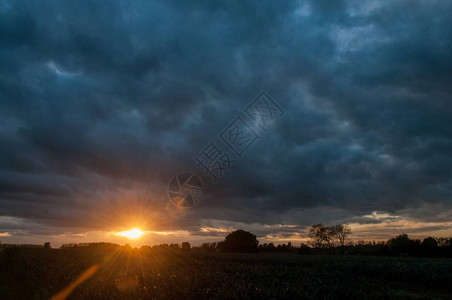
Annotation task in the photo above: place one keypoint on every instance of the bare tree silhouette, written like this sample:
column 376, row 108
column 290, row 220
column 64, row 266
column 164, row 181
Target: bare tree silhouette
column 340, row 233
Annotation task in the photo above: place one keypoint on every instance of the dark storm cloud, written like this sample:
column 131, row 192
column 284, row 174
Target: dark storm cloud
column 101, row 98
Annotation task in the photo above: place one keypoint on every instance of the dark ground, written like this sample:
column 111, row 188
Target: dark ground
column 166, row 274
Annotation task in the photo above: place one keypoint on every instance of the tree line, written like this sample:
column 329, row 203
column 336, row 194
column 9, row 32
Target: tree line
column 335, row 240
column 323, row 240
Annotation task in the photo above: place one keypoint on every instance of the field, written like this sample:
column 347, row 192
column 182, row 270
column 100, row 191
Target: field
column 119, row 273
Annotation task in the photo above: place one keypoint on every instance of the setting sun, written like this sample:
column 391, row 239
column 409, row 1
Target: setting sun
column 131, row 234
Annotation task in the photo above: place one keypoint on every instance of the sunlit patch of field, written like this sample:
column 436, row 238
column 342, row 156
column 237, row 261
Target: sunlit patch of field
column 168, row 274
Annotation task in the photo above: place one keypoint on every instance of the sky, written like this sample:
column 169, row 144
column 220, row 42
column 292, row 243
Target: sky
column 103, row 102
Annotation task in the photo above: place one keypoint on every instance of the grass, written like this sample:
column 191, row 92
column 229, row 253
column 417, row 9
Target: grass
column 165, row 274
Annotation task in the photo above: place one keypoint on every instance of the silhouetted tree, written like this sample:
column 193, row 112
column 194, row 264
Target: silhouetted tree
column 304, row 249
column 70, row 245
column 429, row 246
column 403, row 245
column 209, row 246
column 445, row 242
column 321, row 235
column 430, row 242
column 280, row 248
column 174, row 246
column 341, row 232
column 220, row 246
column 271, row 247
column 240, row 241
column 186, row 246
column 145, row 249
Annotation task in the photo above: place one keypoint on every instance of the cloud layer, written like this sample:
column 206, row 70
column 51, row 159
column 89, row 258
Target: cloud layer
column 102, row 103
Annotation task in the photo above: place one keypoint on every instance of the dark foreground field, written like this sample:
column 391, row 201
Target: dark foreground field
column 119, row 273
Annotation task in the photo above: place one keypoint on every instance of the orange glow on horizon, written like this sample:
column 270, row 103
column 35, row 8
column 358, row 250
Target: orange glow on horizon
column 134, row 233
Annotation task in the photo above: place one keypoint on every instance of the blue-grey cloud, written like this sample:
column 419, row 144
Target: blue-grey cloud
column 101, row 98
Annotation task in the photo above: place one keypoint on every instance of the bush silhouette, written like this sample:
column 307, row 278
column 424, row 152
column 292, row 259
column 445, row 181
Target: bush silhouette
column 240, row 241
